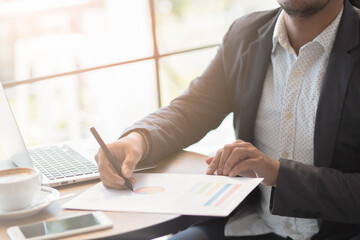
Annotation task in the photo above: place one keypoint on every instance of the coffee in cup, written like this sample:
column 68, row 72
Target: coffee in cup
column 18, row 188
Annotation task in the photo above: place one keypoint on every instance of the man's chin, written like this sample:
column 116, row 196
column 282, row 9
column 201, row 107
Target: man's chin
column 304, row 9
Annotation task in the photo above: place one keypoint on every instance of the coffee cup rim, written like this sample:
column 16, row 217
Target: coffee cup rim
column 34, row 170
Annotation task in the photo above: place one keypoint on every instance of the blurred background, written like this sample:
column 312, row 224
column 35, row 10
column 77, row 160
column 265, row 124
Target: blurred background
column 67, row 65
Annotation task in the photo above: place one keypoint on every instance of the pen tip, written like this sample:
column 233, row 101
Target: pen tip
column 129, row 185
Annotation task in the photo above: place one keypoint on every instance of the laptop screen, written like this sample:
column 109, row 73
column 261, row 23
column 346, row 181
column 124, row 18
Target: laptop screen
column 10, row 136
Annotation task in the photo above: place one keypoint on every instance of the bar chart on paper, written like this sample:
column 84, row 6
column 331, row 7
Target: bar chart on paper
column 149, row 190
column 214, row 193
column 170, row 193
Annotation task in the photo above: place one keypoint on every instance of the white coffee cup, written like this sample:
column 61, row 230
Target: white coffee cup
column 18, row 188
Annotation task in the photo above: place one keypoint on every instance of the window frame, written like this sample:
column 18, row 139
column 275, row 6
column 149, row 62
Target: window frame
column 156, row 57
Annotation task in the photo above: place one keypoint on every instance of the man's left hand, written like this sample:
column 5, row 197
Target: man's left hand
column 242, row 158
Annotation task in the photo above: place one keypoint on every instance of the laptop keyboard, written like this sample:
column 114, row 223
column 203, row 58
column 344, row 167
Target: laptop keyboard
column 57, row 162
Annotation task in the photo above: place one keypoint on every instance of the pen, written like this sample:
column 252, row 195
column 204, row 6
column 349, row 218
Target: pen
column 111, row 158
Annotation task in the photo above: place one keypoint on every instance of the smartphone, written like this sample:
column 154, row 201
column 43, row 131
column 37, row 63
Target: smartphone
column 61, row 227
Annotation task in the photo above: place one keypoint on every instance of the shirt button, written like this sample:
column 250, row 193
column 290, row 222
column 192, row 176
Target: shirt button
column 296, row 73
column 284, row 155
column 288, row 115
column 288, row 225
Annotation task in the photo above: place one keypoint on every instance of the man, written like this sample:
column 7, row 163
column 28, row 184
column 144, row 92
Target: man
column 291, row 77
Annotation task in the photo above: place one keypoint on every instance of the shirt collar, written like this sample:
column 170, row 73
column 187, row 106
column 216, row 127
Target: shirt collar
column 326, row 38
column 280, row 34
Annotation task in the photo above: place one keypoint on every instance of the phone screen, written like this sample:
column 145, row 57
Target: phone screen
column 58, row 226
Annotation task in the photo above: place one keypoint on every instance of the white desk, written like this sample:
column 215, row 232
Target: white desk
column 126, row 225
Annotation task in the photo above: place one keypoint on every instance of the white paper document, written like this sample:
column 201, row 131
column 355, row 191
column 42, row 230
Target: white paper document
column 185, row 194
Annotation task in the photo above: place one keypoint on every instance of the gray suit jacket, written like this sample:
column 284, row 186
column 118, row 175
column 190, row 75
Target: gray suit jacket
column 233, row 82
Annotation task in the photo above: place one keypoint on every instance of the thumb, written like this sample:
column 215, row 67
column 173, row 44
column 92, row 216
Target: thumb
column 129, row 165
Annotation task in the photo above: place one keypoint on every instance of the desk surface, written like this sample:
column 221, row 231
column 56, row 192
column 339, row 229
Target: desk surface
column 125, row 224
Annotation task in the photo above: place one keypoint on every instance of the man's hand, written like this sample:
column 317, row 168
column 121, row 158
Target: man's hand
column 127, row 151
column 242, row 158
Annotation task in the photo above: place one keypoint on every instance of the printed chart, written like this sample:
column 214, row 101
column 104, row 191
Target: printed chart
column 149, row 190
column 170, row 193
column 215, row 193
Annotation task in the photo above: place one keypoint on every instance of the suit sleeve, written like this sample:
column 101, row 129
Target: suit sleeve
column 326, row 193
column 188, row 118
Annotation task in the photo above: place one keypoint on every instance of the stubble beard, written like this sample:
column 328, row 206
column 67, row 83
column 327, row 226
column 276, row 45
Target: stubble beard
column 306, row 10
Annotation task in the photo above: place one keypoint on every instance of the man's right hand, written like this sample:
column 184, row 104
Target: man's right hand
column 127, row 151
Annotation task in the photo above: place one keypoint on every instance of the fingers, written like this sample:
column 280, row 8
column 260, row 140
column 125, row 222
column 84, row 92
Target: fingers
column 259, row 166
column 224, row 156
column 113, row 180
column 132, row 180
column 227, row 151
column 129, row 164
column 242, row 158
column 248, row 174
column 214, row 163
column 208, row 160
column 241, row 152
column 109, row 176
column 245, row 167
column 126, row 157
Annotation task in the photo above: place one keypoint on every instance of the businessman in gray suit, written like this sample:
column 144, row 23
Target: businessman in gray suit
column 291, row 76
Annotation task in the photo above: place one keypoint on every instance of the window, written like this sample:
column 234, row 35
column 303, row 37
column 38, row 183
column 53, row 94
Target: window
column 71, row 64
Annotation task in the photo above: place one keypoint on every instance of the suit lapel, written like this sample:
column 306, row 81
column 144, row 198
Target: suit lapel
column 338, row 74
column 258, row 60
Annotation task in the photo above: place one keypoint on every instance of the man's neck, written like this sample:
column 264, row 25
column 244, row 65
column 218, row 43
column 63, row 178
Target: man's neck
column 302, row 30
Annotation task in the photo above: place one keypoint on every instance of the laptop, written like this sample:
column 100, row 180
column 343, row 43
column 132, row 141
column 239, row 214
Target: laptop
column 60, row 164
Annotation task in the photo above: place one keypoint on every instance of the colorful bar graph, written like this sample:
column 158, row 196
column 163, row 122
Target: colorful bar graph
column 204, row 188
column 217, row 194
column 227, row 195
column 149, row 190
column 213, row 189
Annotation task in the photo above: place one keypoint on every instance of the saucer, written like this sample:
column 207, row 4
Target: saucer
column 41, row 201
